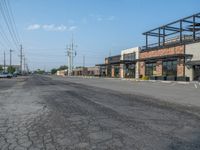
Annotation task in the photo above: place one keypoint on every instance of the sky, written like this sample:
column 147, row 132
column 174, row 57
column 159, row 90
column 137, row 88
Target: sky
column 99, row 27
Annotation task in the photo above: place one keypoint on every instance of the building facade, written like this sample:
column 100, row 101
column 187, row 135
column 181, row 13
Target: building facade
column 112, row 66
column 129, row 67
column 192, row 68
column 175, row 55
column 61, row 73
column 163, row 63
column 172, row 52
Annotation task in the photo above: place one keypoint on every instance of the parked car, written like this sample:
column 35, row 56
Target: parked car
column 14, row 74
column 3, row 75
column 6, row 75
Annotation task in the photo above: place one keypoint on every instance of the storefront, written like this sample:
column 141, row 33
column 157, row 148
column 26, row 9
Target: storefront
column 129, row 64
column 164, row 63
column 172, row 51
column 111, row 67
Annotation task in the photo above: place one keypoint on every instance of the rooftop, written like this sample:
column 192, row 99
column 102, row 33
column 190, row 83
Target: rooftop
column 178, row 32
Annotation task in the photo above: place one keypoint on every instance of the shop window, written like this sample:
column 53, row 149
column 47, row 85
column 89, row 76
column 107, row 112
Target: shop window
column 130, row 71
column 150, row 69
column 170, row 68
column 130, row 56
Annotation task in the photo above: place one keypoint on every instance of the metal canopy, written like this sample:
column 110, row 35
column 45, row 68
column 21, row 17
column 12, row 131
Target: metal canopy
column 166, row 57
column 190, row 24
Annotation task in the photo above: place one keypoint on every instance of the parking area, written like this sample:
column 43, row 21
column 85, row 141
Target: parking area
column 183, row 93
column 49, row 112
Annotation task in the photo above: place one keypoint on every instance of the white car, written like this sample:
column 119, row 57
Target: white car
column 6, row 75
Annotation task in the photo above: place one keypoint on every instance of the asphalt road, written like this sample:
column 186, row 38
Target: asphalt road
column 40, row 112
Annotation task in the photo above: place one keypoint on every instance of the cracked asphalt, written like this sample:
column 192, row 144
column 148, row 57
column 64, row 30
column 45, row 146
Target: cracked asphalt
column 40, row 113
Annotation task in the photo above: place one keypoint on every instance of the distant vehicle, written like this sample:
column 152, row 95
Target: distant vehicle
column 9, row 75
column 5, row 75
column 14, row 74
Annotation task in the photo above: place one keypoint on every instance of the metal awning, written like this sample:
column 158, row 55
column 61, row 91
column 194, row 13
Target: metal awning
column 193, row 63
column 128, row 61
column 101, row 65
column 166, row 57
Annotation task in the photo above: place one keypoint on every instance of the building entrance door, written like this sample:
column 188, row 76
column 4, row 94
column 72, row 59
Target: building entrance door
column 130, row 71
column 197, row 72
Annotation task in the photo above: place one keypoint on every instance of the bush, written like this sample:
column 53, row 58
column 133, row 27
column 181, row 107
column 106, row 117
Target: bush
column 145, row 78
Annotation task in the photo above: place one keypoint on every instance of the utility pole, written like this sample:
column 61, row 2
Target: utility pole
column 24, row 64
column 69, row 60
column 11, row 57
column 83, row 64
column 70, row 56
column 4, row 64
column 21, row 57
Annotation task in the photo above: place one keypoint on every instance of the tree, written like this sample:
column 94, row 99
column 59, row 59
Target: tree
column 1, row 68
column 63, row 67
column 11, row 69
column 38, row 71
column 53, row 71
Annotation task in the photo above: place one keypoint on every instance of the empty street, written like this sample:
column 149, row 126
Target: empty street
column 47, row 112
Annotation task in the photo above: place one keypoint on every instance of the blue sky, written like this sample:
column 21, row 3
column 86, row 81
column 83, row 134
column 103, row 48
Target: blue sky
column 99, row 26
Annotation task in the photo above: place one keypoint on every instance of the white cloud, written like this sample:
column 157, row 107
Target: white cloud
column 48, row 27
column 33, row 27
column 61, row 28
column 51, row 27
column 72, row 28
column 102, row 18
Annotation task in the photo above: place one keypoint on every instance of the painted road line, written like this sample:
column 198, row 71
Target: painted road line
column 195, row 85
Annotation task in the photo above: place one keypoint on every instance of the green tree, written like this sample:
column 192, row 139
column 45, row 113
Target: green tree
column 38, row 71
column 11, row 69
column 1, row 68
column 63, row 67
column 53, row 71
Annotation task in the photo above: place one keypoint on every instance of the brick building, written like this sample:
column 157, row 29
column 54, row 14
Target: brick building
column 111, row 66
column 175, row 55
column 172, row 54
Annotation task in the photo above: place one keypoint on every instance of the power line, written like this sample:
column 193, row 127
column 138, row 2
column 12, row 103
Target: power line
column 4, row 36
column 2, row 44
column 11, row 20
column 8, row 22
column 12, row 17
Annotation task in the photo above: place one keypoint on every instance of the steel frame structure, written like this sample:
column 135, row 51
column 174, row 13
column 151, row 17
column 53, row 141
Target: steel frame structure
column 190, row 24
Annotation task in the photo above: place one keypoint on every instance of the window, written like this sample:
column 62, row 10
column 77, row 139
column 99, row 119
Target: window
column 130, row 71
column 170, row 68
column 130, row 56
column 150, row 69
